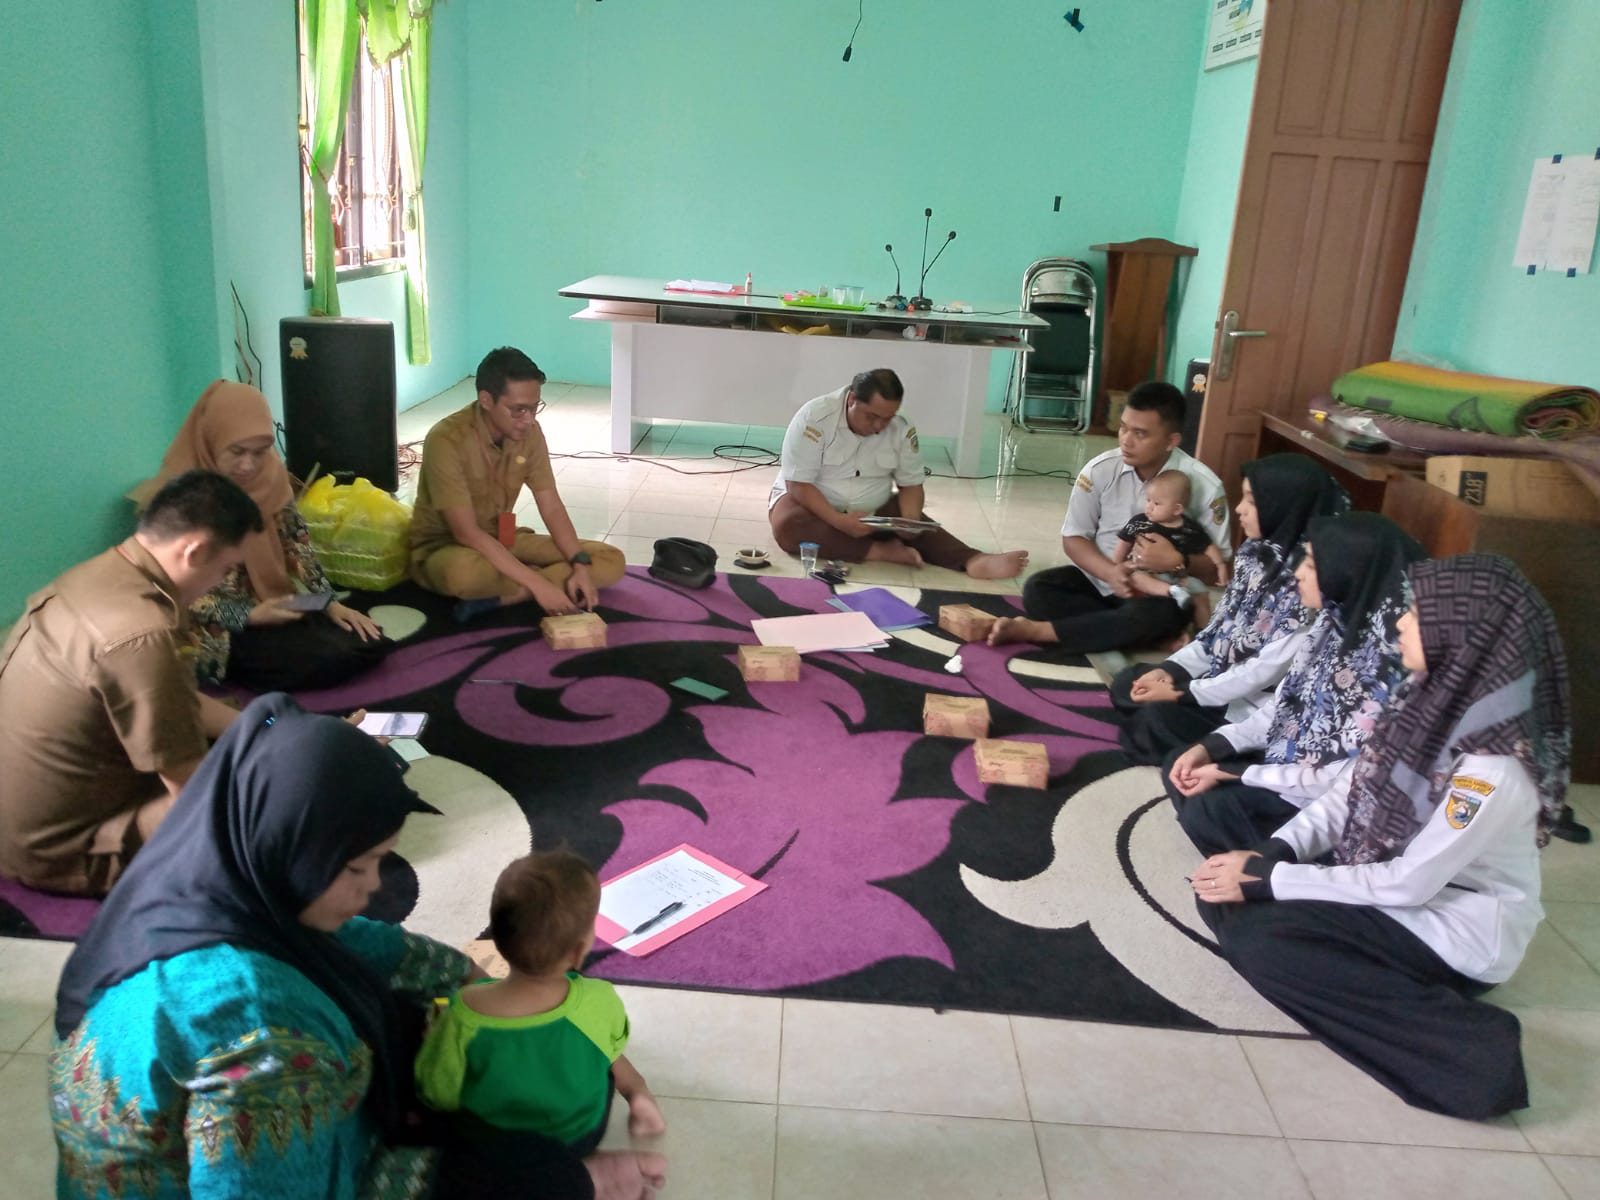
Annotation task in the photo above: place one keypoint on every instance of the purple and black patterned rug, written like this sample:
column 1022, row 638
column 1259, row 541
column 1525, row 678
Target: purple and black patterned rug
column 893, row 874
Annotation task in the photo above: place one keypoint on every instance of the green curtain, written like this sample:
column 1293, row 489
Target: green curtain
column 333, row 31
column 403, row 29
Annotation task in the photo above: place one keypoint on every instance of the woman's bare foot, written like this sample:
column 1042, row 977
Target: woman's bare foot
column 1008, row 564
column 626, row 1174
column 1020, row 629
column 644, row 1115
column 895, row 551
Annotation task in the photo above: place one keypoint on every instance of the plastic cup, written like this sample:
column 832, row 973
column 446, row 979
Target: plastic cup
column 855, row 294
column 808, row 557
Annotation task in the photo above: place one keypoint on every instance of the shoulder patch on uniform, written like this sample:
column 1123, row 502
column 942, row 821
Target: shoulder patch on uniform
column 813, row 433
column 1470, row 784
column 1219, row 510
column 1460, row 808
column 911, row 436
column 1084, row 483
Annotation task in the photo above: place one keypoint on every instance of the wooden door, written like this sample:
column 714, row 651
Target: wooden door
column 1347, row 95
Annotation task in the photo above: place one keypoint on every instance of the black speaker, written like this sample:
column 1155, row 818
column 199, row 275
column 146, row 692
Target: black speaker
column 1195, row 376
column 339, row 398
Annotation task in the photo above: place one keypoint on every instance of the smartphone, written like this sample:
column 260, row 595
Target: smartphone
column 394, row 724
column 310, row 601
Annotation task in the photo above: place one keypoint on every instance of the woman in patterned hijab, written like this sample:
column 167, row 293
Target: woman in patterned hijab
column 1392, row 900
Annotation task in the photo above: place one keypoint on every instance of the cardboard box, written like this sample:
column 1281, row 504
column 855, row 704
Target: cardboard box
column 575, row 631
column 967, row 623
column 769, row 664
column 1516, row 487
column 955, row 716
column 1022, row 764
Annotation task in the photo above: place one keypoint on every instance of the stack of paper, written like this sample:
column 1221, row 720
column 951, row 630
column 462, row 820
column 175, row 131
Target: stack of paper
column 820, row 631
column 705, row 285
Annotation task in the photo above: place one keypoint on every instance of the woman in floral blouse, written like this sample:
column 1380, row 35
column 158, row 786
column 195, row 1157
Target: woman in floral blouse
column 230, row 1026
column 246, row 629
column 1353, row 576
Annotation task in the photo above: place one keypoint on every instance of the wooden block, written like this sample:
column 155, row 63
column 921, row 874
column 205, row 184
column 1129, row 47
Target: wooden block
column 955, row 716
column 576, row 631
column 1021, row 764
column 967, row 623
column 769, row 664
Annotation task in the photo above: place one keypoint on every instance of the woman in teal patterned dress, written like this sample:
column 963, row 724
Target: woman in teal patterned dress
column 230, row 1026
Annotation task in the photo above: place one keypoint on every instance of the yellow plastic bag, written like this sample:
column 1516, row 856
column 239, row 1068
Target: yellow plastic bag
column 361, row 535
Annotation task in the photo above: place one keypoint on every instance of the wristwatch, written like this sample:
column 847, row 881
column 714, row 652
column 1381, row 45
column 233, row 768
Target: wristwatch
column 580, row 559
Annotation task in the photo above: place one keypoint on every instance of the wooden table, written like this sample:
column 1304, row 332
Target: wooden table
column 1365, row 476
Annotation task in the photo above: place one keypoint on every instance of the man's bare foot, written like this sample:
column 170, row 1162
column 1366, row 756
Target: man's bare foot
column 895, row 551
column 644, row 1115
column 1020, row 629
column 1008, row 564
column 625, row 1174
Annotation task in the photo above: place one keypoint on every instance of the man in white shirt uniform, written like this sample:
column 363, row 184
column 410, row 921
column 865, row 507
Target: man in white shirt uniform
column 1090, row 606
column 851, row 454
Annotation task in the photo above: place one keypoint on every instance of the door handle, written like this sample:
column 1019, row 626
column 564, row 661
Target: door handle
column 1231, row 333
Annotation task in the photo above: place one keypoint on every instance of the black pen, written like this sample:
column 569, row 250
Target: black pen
column 659, row 917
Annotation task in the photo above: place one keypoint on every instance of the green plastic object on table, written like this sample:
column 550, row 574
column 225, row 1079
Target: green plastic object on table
column 799, row 301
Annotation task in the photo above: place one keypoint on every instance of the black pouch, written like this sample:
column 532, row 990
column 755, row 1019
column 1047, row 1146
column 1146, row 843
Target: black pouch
column 685, row 562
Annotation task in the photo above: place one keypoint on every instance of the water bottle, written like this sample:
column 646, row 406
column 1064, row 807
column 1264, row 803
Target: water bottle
column 808, row 557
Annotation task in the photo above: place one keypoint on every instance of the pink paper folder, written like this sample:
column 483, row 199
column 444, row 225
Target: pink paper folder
column 705, row 887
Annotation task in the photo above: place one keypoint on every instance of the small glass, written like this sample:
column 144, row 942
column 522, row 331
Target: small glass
column 808, row 557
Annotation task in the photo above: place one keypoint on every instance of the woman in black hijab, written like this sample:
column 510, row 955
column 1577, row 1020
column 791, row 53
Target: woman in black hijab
column 1431, row 892
column 229, row 1023
column 1233, row 664
column 1345, row 671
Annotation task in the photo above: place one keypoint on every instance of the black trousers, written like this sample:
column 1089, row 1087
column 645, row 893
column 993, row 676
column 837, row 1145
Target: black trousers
column 1381, row 999
column 1085, row 622
column 1151, row 732
column 312, row 652
column 1231, row 816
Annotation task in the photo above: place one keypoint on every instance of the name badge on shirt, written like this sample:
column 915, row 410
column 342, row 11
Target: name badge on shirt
column 506, row 529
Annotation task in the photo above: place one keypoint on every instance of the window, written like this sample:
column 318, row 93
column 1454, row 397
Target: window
column 366, row 195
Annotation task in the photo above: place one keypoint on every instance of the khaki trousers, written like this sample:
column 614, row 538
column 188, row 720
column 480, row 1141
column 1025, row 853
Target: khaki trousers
column 462, row 572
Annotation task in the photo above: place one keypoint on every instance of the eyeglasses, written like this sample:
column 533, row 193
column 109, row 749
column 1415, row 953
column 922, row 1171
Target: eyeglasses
column 519, row 412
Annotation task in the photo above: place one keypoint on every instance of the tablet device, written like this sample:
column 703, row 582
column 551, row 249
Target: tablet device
column 310, row 601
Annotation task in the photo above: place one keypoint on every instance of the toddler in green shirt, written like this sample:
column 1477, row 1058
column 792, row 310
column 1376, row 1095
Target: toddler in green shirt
column 540, row 1050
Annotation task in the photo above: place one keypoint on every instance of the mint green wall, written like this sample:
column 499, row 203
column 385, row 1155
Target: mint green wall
column 1519, row 87
column 252, row 106
column 709, row 138
column 94, row 326
column 1217, row 131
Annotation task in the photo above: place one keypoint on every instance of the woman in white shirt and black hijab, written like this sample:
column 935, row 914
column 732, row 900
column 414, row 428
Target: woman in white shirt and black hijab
column 1378, row 914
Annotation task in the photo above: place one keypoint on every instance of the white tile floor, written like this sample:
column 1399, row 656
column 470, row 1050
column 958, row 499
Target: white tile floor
column 793, row 1099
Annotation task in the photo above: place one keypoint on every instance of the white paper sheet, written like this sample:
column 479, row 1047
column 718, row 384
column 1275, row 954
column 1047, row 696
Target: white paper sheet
column 819, row 631
column 634, row 898
column 1572, row 239
column 1539, row 214
column 1559, row 216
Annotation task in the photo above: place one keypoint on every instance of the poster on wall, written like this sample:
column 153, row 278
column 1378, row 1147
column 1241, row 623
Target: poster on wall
column 1233, row 33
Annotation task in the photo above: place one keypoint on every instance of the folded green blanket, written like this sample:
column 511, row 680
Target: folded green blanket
column 1483, row 403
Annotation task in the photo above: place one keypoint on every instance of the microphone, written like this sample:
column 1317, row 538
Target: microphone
column 922, row 303
column 927, row 216
column 897, row 298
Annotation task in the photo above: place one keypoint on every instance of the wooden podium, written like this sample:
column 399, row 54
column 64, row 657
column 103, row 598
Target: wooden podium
column 1138, row 283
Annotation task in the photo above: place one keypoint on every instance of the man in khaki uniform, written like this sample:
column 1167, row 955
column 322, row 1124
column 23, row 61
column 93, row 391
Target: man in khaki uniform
column 100, row 720
column 464, row 538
